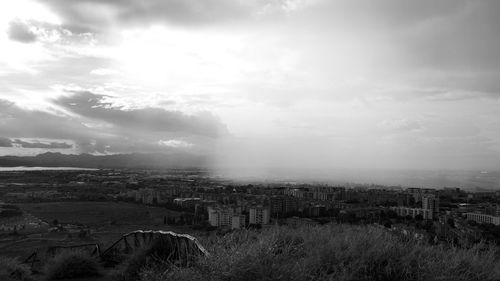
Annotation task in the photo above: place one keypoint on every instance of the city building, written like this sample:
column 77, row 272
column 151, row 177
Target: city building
column 259, row 215
column 483, row 218
column 238, row 222
column 413, row 212
column 316, row 210
column 282, row 205
column 187, row 202
column 223, row 216
column 430, row 202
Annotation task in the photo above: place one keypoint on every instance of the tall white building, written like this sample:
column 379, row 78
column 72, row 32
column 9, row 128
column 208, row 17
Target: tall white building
column 222, row 216
column 259, row 215
column 413, row 212
column 430, row 202
column 213, row 217
column 238, row 222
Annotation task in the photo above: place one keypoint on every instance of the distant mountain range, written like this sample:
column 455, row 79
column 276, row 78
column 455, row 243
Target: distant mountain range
column 134, row 160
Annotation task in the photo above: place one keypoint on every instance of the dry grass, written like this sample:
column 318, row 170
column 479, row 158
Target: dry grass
column 336, row 252
column 13, row 270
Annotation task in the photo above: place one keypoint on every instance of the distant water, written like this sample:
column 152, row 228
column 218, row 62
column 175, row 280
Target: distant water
column 23, row 168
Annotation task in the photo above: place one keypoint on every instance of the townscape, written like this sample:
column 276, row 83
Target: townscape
column 43, row 207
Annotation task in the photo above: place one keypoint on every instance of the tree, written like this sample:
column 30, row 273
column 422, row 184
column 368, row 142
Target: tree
column 392, row 214
column 182, row 221
column 82, row 234
column 10, row 213
column 171, row 221
column 451, row 222
column 388, row 224
column 472, row 223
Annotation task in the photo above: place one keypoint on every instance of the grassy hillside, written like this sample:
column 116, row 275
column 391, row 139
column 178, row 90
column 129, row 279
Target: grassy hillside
column 336, row 252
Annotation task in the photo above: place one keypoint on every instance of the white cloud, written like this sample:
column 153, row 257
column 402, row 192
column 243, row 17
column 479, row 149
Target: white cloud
column 103, row 71
column 175, row 143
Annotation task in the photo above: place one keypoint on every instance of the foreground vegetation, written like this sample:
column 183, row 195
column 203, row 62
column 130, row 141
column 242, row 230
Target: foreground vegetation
column 337, row 252
column 72, row 264
column 332, row 252
column 13, row 270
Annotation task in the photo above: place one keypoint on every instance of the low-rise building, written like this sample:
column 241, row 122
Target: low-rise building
column 483, row 218
column 187, row 202
column 413, row 212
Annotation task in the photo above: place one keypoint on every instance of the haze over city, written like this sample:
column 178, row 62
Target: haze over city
column 255, row 84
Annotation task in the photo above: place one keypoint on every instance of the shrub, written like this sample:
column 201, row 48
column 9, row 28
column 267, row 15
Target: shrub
column 162, row 252
column 8, row 213
column 72, row 264
column 131, row 267
column 13, row 270
column 160, row 273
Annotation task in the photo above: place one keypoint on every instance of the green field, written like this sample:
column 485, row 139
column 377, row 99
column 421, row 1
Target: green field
column 108, row 221
column 98, row 213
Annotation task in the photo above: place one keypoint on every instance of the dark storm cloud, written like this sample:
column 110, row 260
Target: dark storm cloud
column 20, row 31
column 465, row 40
column 92, row 13
column 152, row 120
column 111, row 130
column 374, row 14
column 457, row 51
column 451, row 44
column 96, row 14
column 51, row 145
column 17, row 122
column 5, row 142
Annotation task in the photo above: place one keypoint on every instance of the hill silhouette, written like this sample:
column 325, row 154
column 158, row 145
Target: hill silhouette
column 134, row 160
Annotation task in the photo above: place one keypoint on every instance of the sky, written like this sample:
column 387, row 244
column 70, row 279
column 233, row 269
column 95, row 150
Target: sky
column 255, row 83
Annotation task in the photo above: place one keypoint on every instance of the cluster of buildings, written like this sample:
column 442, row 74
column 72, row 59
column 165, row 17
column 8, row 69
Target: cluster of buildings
column 149, row 196
column 225, row 204
column 234, row 218
column 429, row 207
column 243, row 206
column 488, row 214
column 483, row 218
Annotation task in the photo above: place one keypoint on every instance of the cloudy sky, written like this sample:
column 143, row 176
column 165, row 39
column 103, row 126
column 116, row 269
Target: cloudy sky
column 295, row 83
